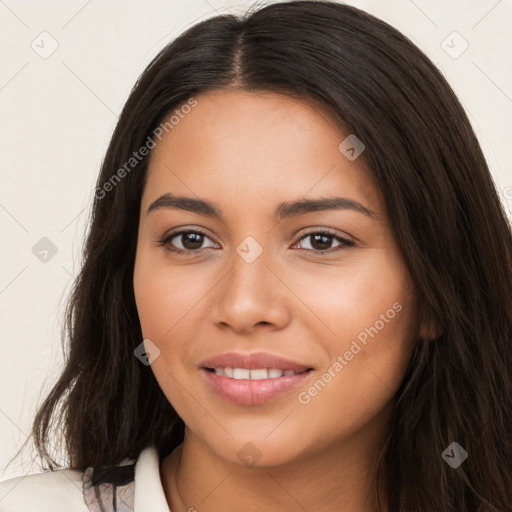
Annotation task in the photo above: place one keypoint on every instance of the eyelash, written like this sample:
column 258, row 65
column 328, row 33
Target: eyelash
column 165, row 241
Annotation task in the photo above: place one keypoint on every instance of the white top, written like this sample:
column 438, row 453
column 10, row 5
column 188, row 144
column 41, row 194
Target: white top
column 65, row 490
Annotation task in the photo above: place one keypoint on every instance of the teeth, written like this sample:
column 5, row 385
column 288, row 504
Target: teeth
column 241, row 373
column 259, row 374
column 255, row 374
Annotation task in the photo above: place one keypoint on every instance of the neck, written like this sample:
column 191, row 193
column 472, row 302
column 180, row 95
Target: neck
column 341, row 478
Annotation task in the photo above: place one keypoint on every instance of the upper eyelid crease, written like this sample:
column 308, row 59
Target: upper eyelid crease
column 284, row 210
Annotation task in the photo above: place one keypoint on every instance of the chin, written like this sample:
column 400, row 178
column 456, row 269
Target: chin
column 257, row 451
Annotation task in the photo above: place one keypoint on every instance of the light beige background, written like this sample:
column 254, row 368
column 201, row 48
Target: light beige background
column 57, row 114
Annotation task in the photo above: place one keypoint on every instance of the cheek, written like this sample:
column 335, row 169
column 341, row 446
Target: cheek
column 369, row 320
column 167, row 298
column 367, row 356
column 172, row 305
column 165, row 302
column 369, row 288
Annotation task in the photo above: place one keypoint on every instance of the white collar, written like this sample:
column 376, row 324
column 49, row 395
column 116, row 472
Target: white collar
column 149, row 492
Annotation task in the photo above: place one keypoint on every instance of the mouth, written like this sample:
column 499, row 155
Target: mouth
column 255, row 373
column 253, row 379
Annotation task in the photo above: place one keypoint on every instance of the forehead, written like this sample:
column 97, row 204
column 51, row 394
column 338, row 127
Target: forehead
column 259, row 147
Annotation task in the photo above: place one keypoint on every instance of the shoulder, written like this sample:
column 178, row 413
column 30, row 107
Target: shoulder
column 51, row 491
column 109, row 489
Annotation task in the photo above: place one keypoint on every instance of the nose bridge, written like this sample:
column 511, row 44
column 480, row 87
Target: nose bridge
column 249, row 295
column 249, row 275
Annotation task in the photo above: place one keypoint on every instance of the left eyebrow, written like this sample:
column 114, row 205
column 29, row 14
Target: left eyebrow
column 283, row 210
column 303, row 206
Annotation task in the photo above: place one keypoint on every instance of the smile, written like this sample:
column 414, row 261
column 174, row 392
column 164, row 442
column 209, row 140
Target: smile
column 254, row 386
column 252, row 374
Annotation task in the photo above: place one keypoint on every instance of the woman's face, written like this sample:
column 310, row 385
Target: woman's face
column 264, row 283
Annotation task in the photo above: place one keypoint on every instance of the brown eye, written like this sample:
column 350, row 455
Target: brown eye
column 191, row 240
column 184, row 242
column 321, row 242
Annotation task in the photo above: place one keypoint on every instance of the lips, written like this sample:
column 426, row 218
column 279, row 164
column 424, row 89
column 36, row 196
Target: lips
column 252, row 379
column 254, row 361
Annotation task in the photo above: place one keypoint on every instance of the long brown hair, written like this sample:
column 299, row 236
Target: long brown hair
column 443, row 207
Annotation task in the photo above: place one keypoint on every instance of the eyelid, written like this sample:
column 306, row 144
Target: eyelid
column 345, row 241
column 321, row 230
column 165, row 239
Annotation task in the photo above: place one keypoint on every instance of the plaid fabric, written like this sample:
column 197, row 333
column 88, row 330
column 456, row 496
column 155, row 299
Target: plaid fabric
column 110, row 489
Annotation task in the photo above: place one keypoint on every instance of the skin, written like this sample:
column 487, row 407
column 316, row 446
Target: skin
column 247, row 152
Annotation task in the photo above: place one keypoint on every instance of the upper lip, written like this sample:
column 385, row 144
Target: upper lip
column 253, row 361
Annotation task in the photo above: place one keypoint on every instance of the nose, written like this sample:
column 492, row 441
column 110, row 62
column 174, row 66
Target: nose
column 251, row 296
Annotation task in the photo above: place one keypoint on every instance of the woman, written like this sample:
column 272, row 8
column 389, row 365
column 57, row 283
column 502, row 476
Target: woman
column 297, row 286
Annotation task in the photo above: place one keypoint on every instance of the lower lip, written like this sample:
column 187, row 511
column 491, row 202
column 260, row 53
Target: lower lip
column 253, row 392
